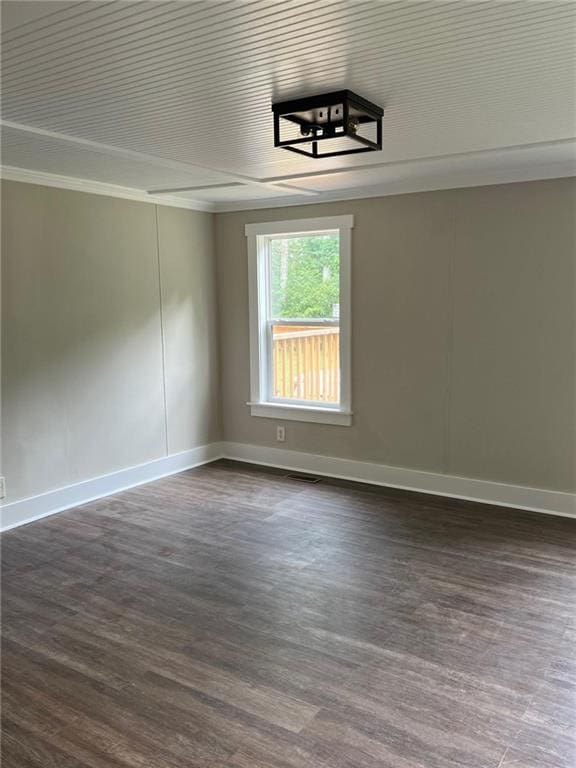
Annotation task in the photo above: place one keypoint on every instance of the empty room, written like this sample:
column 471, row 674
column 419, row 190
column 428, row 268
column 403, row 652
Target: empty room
column 288, row 384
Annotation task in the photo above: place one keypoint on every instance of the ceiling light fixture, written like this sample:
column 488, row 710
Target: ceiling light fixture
column 337, row 123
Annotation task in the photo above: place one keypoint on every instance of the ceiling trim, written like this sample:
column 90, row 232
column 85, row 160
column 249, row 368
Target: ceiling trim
column 407, row 186
column 477, row 178
column 569, row 142
column 10, row 173
column 154, row 159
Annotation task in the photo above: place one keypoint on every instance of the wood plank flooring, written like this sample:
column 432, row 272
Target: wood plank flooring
column 228, row 617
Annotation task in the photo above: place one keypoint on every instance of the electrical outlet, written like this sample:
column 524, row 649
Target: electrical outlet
column 2, row 488
column 280, row 434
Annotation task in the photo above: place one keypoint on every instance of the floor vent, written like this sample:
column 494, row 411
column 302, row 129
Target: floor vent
column 302, row 478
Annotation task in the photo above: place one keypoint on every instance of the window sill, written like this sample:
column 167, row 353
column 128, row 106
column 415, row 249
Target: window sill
column 314, row 414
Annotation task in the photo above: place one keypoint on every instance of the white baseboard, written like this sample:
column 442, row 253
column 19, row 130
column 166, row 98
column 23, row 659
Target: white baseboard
column 500, row 494
column 483, row 491
column 27, row 510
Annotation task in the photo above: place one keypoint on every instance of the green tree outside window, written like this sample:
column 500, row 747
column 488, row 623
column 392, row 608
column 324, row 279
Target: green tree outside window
column 305, row 277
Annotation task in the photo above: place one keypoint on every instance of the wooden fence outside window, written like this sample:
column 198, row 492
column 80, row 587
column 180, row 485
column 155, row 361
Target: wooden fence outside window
column 306, row 363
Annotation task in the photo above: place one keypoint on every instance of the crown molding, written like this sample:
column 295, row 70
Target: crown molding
column 408, row 186
column 26, row 176
column 430, row 183
column 130, row 154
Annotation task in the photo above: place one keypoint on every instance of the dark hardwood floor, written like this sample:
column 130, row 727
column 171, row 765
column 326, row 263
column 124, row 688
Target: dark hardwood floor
column 228, row 617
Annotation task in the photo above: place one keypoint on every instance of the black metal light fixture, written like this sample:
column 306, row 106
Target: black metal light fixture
column 332, row 124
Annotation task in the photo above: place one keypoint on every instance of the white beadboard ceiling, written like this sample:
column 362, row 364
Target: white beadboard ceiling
column 165, row 95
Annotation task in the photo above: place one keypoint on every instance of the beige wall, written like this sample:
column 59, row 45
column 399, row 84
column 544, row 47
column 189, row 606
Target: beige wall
column 86, row 369
column 463, row 333
column 190, row 326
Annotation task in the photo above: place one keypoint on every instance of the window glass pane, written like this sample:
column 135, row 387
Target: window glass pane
column 306, row 363
column 305, row 277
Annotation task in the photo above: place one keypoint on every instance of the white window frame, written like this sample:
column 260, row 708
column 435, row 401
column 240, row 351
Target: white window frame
column 261, row 403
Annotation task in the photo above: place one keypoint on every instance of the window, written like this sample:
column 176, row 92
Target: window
column 299, row 274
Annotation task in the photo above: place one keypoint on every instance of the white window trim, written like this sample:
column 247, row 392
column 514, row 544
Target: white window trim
column 259, row 406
